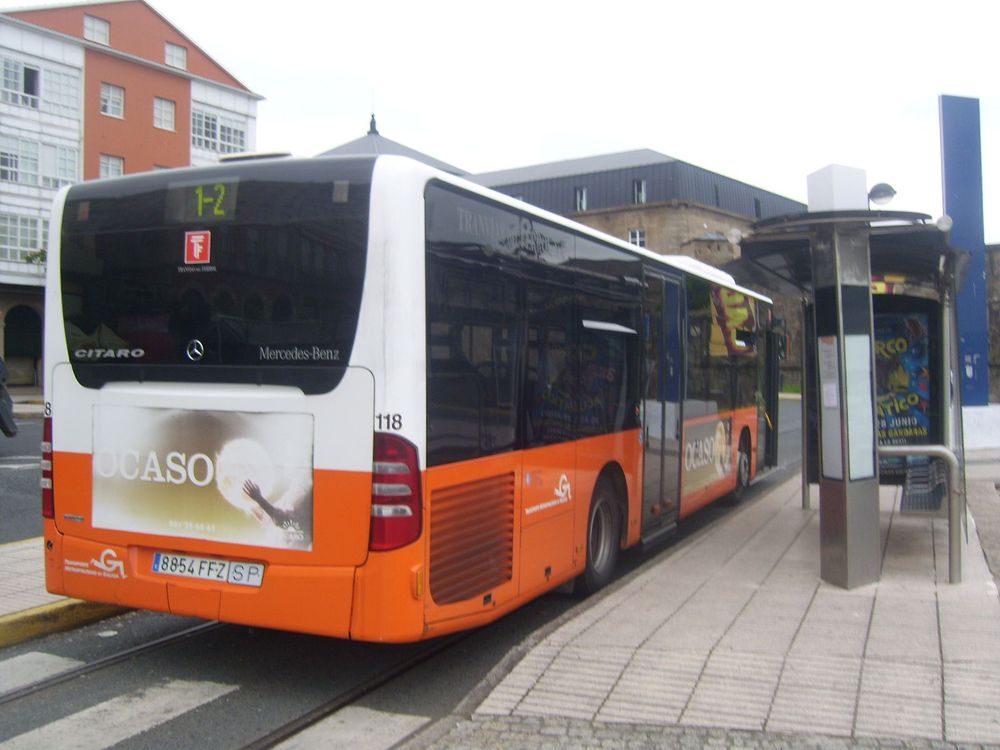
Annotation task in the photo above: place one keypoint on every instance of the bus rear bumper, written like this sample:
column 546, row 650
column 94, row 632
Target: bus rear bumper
column 311, row 599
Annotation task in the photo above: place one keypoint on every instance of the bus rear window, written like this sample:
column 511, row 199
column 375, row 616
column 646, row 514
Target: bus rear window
column 242, row 273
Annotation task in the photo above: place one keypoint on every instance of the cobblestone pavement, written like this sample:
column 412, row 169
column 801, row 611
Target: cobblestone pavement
column 565, row 725
column 556, row 733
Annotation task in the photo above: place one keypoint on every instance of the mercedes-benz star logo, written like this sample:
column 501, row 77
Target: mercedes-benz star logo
column 195, row 350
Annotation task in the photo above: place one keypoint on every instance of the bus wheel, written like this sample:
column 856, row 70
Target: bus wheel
column 603, row 534
column 742, row 468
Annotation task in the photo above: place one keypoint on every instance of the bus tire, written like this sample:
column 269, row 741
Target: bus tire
column 742, row 468
column 603, row 539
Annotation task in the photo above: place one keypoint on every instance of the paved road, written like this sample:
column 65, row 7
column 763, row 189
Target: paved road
column 20, row 470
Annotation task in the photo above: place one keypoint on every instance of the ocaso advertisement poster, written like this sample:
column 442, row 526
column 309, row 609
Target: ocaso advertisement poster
column 708, row 449
column 234, row 477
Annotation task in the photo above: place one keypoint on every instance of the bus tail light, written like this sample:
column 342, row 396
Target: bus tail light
column 48, row 500
column 396, row 496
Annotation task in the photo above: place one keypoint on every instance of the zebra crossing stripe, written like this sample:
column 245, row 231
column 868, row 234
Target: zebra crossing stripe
column 22, row 670
column 120, row 718
column 357, row 727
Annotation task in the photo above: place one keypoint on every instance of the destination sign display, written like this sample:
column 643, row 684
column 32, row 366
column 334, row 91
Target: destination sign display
column 202, row 202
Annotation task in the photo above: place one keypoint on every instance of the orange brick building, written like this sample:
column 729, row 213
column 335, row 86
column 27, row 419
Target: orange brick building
column 90, row 91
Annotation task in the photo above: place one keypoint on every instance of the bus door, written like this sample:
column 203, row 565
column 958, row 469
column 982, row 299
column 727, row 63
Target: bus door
column 662, row 371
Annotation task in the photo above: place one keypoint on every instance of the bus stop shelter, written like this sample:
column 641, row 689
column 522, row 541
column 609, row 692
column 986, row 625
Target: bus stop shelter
column 880, row 358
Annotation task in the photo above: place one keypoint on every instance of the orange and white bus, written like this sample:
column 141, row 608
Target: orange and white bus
column 363, row 398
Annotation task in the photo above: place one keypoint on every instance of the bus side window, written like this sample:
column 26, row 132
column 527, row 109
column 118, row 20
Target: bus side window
column 471, row 334
column 552, row 369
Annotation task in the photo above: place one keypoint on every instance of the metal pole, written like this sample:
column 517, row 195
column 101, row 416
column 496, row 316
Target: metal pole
column 802, row 409
column 954, row 502
column 947, row 342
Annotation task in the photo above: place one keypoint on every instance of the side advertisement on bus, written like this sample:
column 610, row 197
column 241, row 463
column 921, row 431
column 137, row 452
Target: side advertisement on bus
column 708, row 453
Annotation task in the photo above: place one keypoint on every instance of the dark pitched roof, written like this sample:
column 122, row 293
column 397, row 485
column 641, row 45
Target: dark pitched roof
column 586, row 165
column 374, row 144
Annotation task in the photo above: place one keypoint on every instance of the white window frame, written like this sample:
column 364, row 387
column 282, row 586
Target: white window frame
column 96, row 30
column 232, row 136
column 637, row 237
column 60, row 165
column 61, row 93
column 175, row 55
column 113, row 101
column 16, row 84
column 20, row 236
column 164, row 111
column 638, row 191
column 28, row 162
column 18, row 160
column 112, row 166
column 213, row 132
column 204, row 130
column 580, row 199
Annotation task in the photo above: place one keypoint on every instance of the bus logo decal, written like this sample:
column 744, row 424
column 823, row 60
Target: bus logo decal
column 563, row 494
column 108, row 566
column 195, row 350
column 197, row 247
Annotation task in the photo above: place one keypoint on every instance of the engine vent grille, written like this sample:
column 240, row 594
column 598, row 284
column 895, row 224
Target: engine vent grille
column 472, row 538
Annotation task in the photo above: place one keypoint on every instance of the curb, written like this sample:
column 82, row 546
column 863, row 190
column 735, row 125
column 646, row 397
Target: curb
column 52, row 618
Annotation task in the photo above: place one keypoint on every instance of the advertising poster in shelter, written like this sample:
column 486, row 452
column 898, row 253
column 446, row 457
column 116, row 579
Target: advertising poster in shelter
column 902, row 384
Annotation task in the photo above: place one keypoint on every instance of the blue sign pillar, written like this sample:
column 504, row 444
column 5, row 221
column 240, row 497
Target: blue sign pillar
column 962, row 184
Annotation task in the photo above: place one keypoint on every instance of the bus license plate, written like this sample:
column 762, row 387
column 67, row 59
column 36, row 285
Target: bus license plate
column 209, row 569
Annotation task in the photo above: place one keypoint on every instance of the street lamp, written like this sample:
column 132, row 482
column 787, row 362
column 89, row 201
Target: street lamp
column 881, row 194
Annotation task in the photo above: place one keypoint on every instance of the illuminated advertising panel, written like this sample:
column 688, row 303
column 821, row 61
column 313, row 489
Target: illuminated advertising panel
column 902, row 382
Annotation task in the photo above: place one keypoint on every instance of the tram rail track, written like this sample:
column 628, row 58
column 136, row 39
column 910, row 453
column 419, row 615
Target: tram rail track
column 272, row 736
column 353, row 694
column 107, row 661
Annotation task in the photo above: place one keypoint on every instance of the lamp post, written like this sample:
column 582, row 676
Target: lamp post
column 881, row 194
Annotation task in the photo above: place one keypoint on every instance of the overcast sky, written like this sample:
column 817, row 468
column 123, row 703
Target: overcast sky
column 766, row 91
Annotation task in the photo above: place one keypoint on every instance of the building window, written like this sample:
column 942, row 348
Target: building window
column 112, row 100
column 33, row 163
column 176, row 56
column 221, row 134
column 756, row 208
column 232, row 138
column 20, row 236
column 10, row 164
column 637, row 237
column 59, row 165
column 580, row 198
column 96, row 30
column 204, row 131
column 61, row 93
column 20, row 84
column 163, row 113
column 112, row 166
column 638, row 191
column 18, row 160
